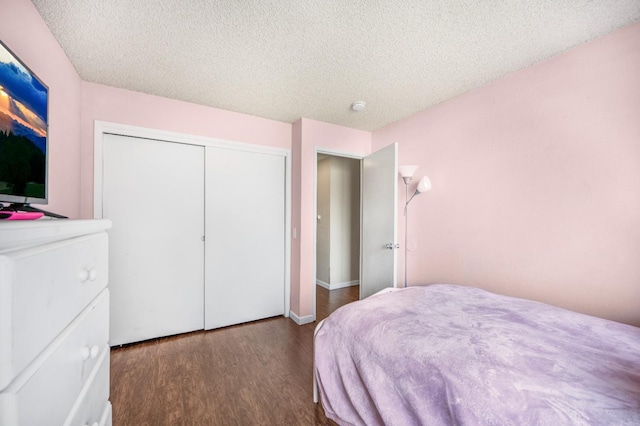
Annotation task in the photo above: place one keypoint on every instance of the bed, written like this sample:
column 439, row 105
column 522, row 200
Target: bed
column 454, row 355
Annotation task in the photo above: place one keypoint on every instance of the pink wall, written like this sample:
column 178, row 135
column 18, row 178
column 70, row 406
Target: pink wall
column 536, row 182
column 308, row 135
column 25, row 33
column 296, row 197
column 120, row 106
column 536, row 176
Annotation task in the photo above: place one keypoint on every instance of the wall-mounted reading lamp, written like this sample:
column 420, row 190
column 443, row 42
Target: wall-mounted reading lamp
column 424, row 185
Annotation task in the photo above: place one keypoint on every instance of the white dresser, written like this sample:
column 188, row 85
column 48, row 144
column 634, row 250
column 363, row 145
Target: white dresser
column 54, row 323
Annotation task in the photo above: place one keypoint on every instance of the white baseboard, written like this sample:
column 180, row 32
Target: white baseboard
column 323, row 284
column 337, row 285
column 301, row 321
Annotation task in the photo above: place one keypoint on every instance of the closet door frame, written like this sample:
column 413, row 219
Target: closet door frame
column 103, row 127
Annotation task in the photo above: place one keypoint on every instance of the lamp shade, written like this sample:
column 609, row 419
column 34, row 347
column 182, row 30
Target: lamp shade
column 424, row 185
column 407, row 171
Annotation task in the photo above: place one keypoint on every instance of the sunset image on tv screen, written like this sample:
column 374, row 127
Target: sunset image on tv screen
column 23, row 129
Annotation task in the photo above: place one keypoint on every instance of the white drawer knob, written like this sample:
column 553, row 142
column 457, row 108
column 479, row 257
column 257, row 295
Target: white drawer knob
column 87, row 352
column 87, row 274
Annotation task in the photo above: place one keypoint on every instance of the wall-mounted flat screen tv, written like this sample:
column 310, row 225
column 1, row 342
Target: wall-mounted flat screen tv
column 23, row 132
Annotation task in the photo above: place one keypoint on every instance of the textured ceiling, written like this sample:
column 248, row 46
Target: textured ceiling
column 286, row 59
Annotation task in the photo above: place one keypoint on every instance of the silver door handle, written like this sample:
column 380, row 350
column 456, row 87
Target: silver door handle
column 392, row 246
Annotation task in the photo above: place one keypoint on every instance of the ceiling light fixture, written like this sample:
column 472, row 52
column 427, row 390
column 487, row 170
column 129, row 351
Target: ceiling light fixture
column 358, row 105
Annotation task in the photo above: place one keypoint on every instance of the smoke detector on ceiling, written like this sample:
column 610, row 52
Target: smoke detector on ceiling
column 358, row 105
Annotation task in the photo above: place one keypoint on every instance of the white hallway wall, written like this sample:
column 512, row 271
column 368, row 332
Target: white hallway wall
column 338, row 221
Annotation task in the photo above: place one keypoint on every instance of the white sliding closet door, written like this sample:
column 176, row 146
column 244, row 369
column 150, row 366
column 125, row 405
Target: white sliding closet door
column 245, row 245
column 153, row 191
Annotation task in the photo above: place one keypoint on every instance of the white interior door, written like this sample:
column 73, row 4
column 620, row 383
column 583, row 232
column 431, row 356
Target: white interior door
column 379, row 221
column 153, row 192
column 245, row 245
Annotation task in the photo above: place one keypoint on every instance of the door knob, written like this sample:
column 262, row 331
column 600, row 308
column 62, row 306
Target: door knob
column 392, row 246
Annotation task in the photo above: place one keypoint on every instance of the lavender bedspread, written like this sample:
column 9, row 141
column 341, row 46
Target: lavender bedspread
column 444, row 354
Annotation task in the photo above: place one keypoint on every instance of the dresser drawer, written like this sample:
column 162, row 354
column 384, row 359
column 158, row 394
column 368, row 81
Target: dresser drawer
column 41, row 290
column 46, row 391
column 107, row 415
column 90, row 407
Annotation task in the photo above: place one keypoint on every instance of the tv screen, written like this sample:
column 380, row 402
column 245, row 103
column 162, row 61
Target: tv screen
column 23, row 132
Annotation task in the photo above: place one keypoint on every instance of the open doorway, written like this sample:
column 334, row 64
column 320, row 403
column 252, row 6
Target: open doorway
column 337, row 229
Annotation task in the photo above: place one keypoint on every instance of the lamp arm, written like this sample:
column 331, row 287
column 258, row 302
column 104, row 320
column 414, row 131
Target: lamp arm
column 409, row 200
column 423, row 186
column 406, row 233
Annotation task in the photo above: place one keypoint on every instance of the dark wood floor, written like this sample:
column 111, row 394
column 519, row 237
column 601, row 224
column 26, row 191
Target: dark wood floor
column 252, row 374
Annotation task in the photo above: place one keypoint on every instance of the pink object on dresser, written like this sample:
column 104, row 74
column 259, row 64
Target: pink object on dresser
column 13, row 215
